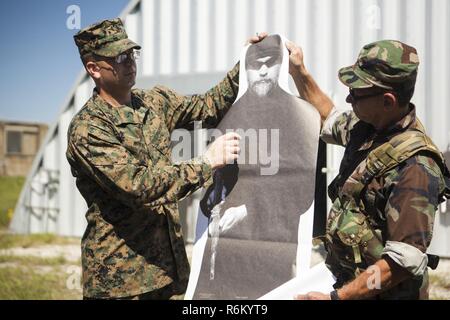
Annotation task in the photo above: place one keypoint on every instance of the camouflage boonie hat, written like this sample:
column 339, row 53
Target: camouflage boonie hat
column 107, row 38
column 387, row 64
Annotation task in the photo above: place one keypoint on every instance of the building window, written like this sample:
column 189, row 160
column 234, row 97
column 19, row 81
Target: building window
column 14, row 142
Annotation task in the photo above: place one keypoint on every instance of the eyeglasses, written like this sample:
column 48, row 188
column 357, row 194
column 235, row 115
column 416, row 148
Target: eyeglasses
column 131, row 55
column 357, row 98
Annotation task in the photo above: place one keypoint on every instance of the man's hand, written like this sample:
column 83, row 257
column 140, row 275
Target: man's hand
column 296, row 65
column 306, row 85
column 257, row 38
column 313, row 296
column 224, row 150
column 389, row 274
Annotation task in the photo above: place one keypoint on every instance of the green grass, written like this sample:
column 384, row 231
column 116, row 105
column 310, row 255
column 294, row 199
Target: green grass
column 31, row 277
column 8, row 240
column 26, row 284
column 35, row 278
column 9, row 193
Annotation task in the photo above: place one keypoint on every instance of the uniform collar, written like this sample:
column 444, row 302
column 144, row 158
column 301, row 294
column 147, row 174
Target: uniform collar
column 122, row 114
column 403, row 124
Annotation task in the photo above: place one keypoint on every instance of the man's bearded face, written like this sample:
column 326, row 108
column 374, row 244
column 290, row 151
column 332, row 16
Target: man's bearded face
column 262, row 74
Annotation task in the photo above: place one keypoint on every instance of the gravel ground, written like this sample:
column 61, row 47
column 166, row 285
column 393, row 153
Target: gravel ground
column 440, row 281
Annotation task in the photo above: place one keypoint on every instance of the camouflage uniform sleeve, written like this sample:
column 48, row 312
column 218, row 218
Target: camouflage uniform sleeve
column 96, row 152
column 410, row 211
column 180, row 111
column 336, row 128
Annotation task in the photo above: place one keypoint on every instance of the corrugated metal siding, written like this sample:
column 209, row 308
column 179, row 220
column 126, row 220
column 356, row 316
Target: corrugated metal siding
column 195, row 36
column 203, row 37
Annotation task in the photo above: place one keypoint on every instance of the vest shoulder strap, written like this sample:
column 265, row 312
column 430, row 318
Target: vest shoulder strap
column 397, row 150
column 400, row 148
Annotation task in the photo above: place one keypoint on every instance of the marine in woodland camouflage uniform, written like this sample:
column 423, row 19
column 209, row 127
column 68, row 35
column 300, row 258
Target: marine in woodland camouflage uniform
column 399, row 205
column 121, row 158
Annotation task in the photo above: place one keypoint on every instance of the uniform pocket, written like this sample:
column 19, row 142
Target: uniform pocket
column 356, row 234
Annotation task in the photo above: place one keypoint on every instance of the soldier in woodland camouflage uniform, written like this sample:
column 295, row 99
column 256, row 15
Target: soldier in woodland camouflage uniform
column 119, row 152
column 391, row 178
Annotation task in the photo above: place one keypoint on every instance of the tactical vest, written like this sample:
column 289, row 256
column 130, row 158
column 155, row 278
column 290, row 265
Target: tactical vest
column 352, row 243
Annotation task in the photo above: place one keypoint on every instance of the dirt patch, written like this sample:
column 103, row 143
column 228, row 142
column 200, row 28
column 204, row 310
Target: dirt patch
column 69, row 252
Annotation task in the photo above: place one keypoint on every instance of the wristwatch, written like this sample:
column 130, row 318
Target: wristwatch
column 334, row 295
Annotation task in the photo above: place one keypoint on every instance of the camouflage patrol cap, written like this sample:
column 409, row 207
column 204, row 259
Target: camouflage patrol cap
column 387, row 64
column 107, row 38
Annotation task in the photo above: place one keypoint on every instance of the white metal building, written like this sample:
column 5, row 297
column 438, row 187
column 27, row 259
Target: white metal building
column 188, row 45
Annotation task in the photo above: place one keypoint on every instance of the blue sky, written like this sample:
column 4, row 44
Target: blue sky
column 39, row 60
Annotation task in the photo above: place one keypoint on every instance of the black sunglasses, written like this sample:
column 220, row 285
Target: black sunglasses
column 254, row 64
column 357, row 98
